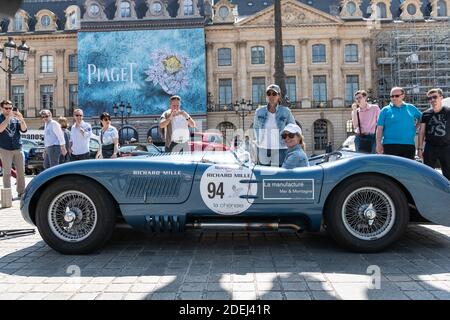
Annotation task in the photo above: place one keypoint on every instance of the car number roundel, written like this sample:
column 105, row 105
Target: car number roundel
column 226, row 189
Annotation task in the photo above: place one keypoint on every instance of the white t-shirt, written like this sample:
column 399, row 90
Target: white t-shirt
column 180, row 129
column 108, row 136
column 270, row 134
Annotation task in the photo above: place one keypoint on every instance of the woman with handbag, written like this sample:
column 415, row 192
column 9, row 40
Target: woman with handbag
column 109, row 138
column 364, row 118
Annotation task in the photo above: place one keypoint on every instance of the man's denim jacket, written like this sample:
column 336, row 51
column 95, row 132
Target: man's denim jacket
column 283, row 117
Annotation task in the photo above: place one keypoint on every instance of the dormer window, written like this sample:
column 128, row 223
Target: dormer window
column 45, row 21
column 94, row 10
column 188, row 8
column 125, row 9
column 72, row 17
column 411, row 9
column 441, row 8
column 157, row 8
column 18, row 23
column 381, row 10
column 351, row 8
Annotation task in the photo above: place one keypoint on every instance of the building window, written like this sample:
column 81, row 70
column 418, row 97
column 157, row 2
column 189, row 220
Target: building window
column 73, row 63
column 17, row 66
column 319, row 53
column 47, row 65
column 188, row 8
column 225, row 92
column 381, row 10
column 18, row 23
column 320, row 89
column 289, row 54
column 258, row 56
column 224, row 57
column 17, row 97
column 47, row 97
column 351, row 53
column 73, row 96
column 320, row 134
column 351, row 8
column 45, row 21
column 441, row 8
column 351, row 86
column 94, row 10
column 291, row 88
column 411, row 9
column 125, row 9
column 259, row 90
column 127, row 133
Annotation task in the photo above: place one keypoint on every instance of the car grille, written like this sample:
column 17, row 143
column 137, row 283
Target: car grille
column 153, row 187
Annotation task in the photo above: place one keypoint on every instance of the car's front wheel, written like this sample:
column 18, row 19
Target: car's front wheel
column 367, row 213
column 75, row 215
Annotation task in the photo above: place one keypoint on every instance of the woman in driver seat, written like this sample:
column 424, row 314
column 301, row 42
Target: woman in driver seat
column 295, row 156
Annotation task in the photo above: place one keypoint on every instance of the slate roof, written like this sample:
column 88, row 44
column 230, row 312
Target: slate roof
column 32, row 7
column 244, row 9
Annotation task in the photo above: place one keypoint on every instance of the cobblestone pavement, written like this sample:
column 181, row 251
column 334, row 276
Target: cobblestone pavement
column 209, row 265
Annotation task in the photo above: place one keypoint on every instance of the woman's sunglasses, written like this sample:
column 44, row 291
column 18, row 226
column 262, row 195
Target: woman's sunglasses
column 290, row 135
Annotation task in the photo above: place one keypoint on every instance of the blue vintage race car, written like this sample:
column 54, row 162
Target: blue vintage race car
column 363, row 201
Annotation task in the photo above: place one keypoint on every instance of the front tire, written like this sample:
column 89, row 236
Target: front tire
column 75, row 216
column 367, row 213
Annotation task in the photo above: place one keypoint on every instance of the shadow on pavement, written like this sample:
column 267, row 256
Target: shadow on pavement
column 210, row 265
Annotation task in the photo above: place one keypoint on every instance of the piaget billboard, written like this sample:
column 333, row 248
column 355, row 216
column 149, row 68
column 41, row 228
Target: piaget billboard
column 143, row 68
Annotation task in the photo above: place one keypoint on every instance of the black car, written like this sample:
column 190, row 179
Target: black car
column 35, row 162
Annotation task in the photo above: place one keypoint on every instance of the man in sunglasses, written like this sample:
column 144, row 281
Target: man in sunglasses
column 54, row 142
column 12, row 124
column 80, row 135
column 435, row 128
column 397, row 124
column 268, row 123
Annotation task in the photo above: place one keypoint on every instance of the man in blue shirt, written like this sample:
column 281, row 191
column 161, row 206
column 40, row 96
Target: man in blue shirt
column 396, row 126
column 11, row 125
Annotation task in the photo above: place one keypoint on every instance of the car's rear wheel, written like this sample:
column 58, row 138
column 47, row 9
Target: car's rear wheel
column 75, row 215
column 367, row 213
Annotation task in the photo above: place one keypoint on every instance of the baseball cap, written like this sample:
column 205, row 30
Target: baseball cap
column 274, row 87
column 292, row 128
column 175, row 97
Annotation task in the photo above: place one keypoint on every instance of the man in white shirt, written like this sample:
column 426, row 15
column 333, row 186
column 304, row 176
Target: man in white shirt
column 175, row 123
column 80, row 135
column 55, row 144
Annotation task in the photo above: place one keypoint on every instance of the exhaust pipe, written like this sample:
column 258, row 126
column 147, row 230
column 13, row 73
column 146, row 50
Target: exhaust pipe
column 243, row 226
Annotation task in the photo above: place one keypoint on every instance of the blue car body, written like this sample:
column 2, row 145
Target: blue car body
column 155, row 193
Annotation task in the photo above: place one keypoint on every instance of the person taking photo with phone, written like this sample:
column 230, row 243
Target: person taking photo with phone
column 12, row 124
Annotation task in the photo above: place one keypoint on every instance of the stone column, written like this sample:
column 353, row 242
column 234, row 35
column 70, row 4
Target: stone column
column 210, row 87
column 242, row 90
column 367, row 64
column 337, row 95
column 30, row 97
column 305, row 92
column 58, row 103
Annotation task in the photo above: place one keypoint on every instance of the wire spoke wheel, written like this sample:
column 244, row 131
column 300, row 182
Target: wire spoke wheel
column 72, row 216
column 368, row 213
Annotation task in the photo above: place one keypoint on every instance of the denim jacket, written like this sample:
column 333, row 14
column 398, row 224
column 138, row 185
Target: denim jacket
column 295, row 158
column 283, row 116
